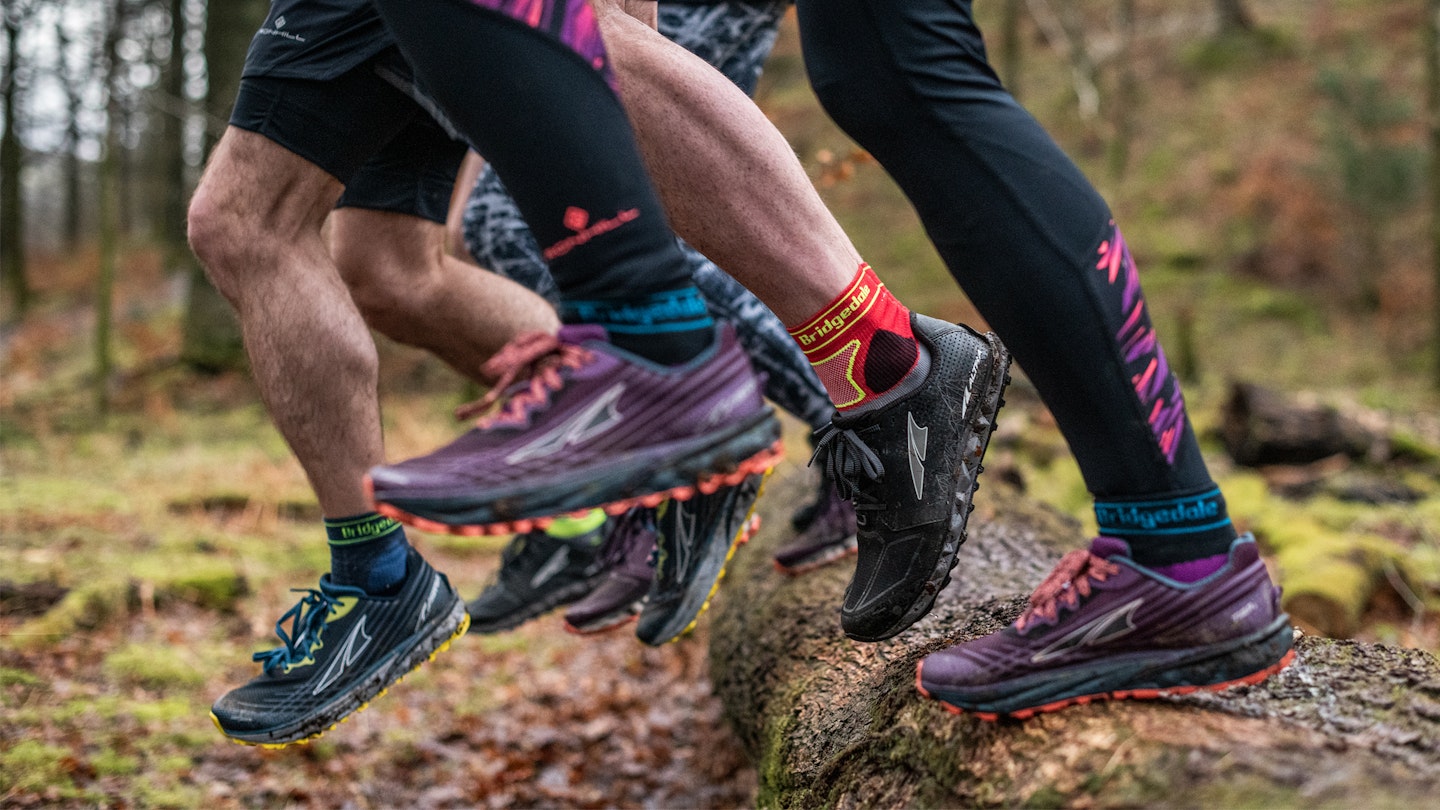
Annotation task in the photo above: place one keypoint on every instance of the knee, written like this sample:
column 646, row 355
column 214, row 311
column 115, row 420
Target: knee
column 219, row 236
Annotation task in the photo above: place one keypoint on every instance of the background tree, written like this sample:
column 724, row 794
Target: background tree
column 212, row 340
column 12, row 222
column 1431, row 34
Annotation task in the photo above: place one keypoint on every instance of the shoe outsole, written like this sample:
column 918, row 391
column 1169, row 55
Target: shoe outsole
column 605, row 624
column 748, row 527
column 329, row 724
column 839, row 551
column 1117, row 694
column 761, row 462
column 983, row 429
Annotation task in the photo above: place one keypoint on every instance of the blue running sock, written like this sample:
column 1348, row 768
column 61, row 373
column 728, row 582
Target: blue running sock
column 367, row 551
column 668, row 327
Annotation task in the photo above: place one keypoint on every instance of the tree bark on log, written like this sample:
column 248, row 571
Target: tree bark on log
column 836, row 723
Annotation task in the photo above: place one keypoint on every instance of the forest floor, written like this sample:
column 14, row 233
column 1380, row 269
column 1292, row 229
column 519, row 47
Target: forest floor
column 145, row 555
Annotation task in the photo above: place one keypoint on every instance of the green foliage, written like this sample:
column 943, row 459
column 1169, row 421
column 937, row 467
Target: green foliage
column 153, row 666
column 31, row 765
column 1237, row 51
column 1375, row 174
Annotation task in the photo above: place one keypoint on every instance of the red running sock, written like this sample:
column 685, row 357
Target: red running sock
column 861, row 343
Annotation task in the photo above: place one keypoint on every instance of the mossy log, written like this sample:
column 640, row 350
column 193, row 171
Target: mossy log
column 1262, row 427
column 832, row 722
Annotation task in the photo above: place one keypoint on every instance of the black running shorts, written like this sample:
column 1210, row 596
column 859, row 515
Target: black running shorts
column 368, row 127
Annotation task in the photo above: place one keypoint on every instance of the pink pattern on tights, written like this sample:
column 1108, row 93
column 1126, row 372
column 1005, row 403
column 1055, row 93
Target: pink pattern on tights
column 570, row 21
column 1150, row 374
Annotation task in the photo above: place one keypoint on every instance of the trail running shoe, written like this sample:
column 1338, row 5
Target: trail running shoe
column 827, row 535
column 344, row 648
column 538, row 573
column 1101, row 626
column 629, row 562
column 911, row 468
column 696, row 539
column 583, row 424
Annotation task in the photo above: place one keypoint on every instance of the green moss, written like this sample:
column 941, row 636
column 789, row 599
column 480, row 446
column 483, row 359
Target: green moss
column 111, row 763
column 19, row 677
column 31, row 766
column 153, row 666
column 84, row 608
column 1045, row 797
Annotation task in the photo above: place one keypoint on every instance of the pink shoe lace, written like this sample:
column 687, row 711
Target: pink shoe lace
column 1067, row 583
column 539, row 355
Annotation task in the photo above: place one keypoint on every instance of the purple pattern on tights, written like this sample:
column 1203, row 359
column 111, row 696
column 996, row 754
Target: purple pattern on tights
column 575, row 26
column 1150, row 374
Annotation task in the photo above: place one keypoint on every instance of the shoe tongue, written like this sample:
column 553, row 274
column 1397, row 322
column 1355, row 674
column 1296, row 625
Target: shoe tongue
column 1107, row 547
column 579, row 333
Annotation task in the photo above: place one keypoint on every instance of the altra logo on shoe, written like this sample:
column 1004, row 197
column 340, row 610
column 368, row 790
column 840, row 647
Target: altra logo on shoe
column 1114, row 624
column 578, row 220
column 345, row 656
column 916, row 437
column 592, row 420
column 552, row 566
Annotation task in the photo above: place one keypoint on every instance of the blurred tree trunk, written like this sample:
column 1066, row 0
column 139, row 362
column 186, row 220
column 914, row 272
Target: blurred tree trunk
column 212, row 340
column 172, row 145
column 70, row 227
column 12, row 223
column 1432, row 99
column 109, row 209
column 1126, row 93
column 1232, row 17
column 1011, row 56
column 1064, row 27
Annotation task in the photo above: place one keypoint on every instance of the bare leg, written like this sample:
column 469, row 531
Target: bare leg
column 255, row 224
column 731, row 185
column 408, row 288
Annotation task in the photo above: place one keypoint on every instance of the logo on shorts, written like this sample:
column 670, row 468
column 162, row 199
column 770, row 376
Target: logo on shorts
column 578, row 220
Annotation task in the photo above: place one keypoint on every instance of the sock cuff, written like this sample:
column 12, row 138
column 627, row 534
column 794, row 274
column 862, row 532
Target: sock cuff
column 568, row 528
column 856, row 301
column 359, row 528
column 1192, row 513
column 677, row 310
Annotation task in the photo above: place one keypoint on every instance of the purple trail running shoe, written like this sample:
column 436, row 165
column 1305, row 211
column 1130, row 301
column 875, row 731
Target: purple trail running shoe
column 825, row 534
column 1101, row 626
column 583, row 424
column 911, row 468
column 630, row 565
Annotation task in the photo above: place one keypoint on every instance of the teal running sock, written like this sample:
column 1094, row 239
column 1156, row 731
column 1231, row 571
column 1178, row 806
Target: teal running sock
column 367, row 551
column 667, row 327
column 1163, row 531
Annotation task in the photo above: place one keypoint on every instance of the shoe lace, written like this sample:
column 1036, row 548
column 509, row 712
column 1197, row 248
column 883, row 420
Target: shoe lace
column 1069, row 582
column 848, row 461
column 537, row 355
column 633, row 528
column 307, row 618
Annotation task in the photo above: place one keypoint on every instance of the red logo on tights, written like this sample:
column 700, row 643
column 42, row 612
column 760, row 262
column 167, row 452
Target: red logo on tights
column 578, row 220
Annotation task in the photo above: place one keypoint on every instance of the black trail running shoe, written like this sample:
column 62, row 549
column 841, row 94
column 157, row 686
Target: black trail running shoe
column 911, row 468
column 344, row 648
column 696, row 539
column 538, row 573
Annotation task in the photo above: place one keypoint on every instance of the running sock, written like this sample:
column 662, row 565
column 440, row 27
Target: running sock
column 668, row 327
column 570, row 528
column 862, row 347
column 367, row 551
column 1171, row 530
